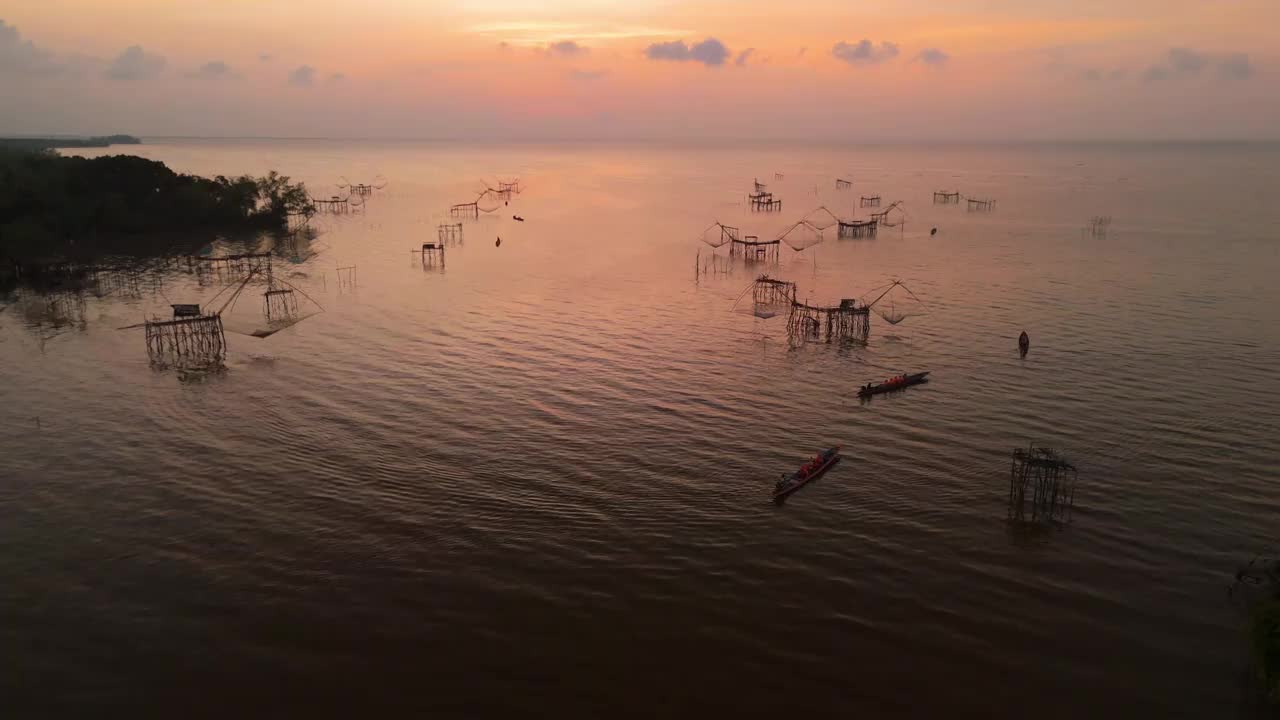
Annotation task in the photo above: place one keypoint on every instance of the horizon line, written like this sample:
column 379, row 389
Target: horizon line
column 725, row 140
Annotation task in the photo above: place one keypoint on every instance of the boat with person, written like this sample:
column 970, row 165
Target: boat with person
column 811, row 470
column 893, row 383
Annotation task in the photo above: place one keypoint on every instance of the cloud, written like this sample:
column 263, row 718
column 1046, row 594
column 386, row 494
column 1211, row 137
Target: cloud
column 1186, row 61
column 302, row 76
column 23, row 56
column 214, row 70
column 566, row 48
column 537, row 33
column 1183, row 62
column 587, row 75
column 708, row 52
column 864, row 52
column 1099, row 74
column 933, row 56
column 743, row 57
column 1235, row 66
column 136, row 64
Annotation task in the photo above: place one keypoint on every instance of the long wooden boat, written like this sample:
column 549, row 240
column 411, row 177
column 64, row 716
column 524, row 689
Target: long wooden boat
column 798, row 479
column 890, row 386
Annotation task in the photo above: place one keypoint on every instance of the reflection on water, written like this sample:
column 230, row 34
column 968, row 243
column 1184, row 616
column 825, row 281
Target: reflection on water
column 541, row 478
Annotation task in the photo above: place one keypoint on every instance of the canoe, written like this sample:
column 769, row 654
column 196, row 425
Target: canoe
column 910, row 380
column 793, row 482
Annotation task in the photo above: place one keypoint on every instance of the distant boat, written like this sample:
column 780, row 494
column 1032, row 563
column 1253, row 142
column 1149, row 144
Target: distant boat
column 517, row 218
column 798, row 479
column 1024, row 343
column 895, row 384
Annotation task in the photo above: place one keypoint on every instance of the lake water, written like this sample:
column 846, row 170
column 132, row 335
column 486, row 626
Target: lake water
column 537, row 480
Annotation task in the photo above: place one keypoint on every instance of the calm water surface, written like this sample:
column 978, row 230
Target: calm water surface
column 537, row 480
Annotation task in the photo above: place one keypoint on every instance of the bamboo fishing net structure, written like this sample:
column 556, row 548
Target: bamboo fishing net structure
column 767, row 292
column 753, row 249
column 432, row 254
column 892, row 216
column 857, row 229
column 338, row 205
column 186, row 341
column 280, row 303
column 821, row 218
column 488, row 199
column 761, row 200
column 764, row 202
column 849, row 320
column 842, row 184
column 465, row 210
column 867, row 201
column 717, row 234
column 1099, row 225
column 942, row 197
column 1042, row 485
column 449, row 233
column 846, row 321
column 228, row 268
column 363, row 189
column 890, row 307
column 801, row 235
column 980, row 205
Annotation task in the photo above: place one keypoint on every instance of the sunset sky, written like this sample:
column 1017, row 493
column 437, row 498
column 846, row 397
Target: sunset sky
column 823, row 69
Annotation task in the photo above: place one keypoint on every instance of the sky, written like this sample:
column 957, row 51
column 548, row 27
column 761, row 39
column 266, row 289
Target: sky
column 842, row 70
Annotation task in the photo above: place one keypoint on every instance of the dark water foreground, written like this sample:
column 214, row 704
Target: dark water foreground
column 536, row 480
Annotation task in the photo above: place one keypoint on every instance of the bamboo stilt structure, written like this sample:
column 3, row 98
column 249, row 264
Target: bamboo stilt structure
column 229, row 268
column 867, row 201
column 977, row 205
column 847, row 321
column 335, row 205
column 279, row 304
column 764, row 202
column 465, row 210
column 197, row 341
column 884, row 219
column 449, row 233
column 857, row 229
column 753, row 249
column 771, row 292
column 432, row 254
column 1099, row 225
column 946, row 198
column 1051, row 481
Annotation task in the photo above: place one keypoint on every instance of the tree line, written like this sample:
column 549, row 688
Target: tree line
column 49, row 203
